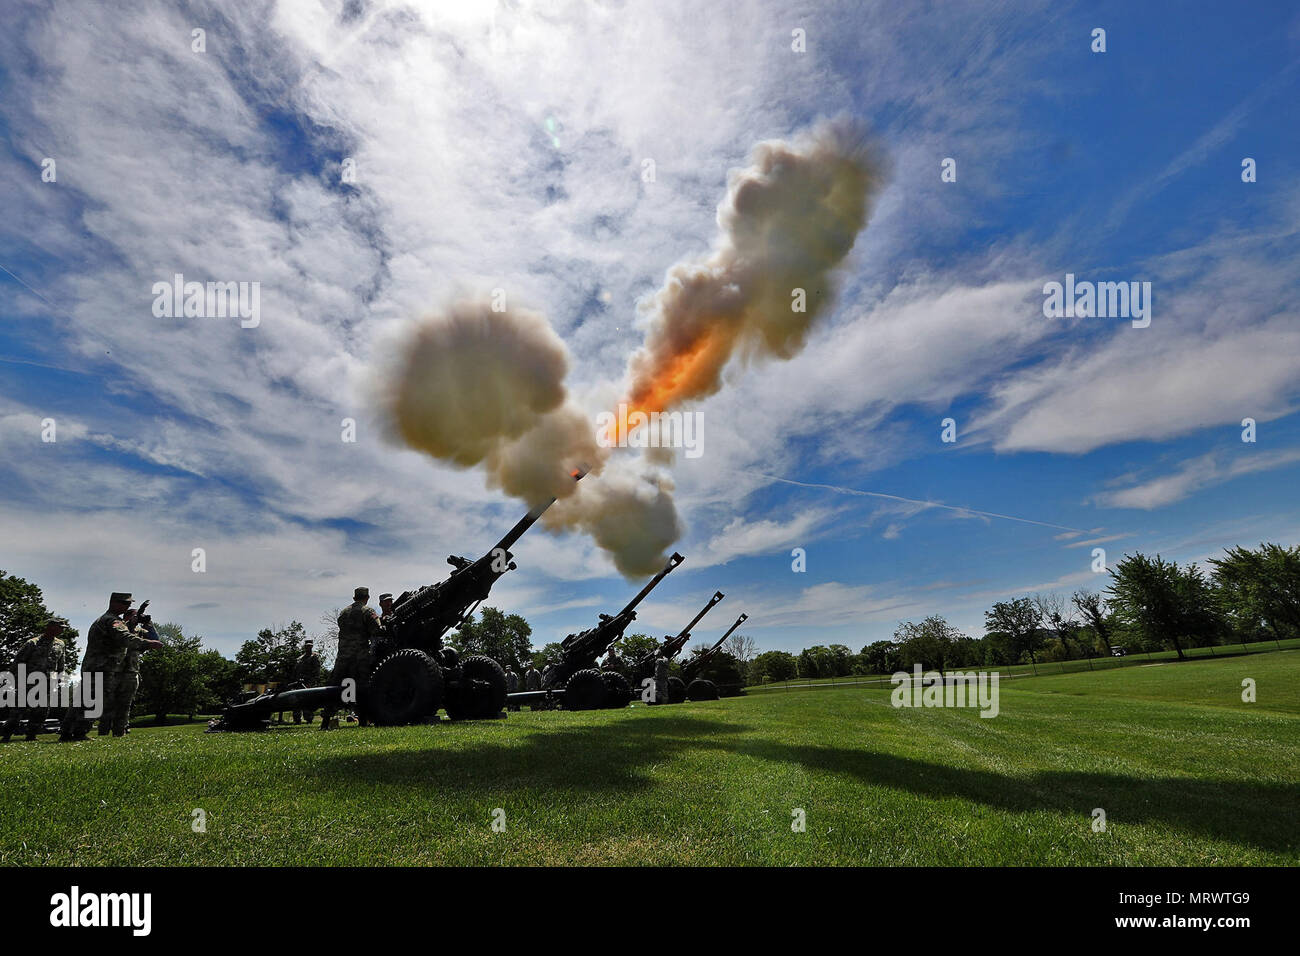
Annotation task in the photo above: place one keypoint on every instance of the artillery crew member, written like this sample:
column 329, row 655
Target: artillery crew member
column 661, row 680
column 306, row 671
column 127, row 682
column 44, row 655
column 512, row 686
column 532, row 679
column 106, row 645
column 386, row 606
column 359, row 626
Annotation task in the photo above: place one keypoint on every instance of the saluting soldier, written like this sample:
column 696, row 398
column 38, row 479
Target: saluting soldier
column 143, row 638
column 44, row 655
column 106, row 644
column 306, row 669
column 358, row 627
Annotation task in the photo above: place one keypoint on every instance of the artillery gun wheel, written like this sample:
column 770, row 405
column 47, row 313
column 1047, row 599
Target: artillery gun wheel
column 701, row 689
column 676, row 690
column 404, row 688
column 617, row 690
column 584, row 691
column 482, row 691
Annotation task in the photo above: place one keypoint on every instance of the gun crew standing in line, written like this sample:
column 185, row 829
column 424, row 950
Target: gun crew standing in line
column 107, row 645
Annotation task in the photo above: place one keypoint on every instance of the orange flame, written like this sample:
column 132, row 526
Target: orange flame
column 672, row 380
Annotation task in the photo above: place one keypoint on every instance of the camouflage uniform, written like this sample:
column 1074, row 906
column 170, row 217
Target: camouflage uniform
column 661, row 680
column 358, row 627
column 512, row 686
column 106, row 645
column 41, row 655
column 532, row 679
column 127, row 682
column 307, row 671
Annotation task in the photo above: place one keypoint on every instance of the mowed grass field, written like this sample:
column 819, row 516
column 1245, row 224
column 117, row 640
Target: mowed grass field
column 1186, row 772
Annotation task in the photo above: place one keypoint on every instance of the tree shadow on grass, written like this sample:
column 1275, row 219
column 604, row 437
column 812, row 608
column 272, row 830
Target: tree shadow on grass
column 1263, row 815
column 619, row 756
column 626, row 756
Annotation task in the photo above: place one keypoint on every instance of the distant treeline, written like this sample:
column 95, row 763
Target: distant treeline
column 1152, row 604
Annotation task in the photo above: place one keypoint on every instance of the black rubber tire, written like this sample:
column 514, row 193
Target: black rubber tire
column 481, row 694
column 405, row 688
column 584, row 691
column 617, row 690
column 701, row 689
column 676, row 690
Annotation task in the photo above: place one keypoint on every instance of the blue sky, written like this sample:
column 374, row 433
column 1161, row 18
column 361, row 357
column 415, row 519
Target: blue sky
column 501, row 146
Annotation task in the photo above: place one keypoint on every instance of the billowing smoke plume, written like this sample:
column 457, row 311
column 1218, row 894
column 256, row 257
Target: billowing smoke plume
column 787, row 222
column 474, row 386
column 483, row 388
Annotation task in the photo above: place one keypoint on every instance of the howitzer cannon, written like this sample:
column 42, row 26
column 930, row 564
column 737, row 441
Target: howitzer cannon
column 697, row 688
column 413, row 674
column 644, row 669
column 573, row 679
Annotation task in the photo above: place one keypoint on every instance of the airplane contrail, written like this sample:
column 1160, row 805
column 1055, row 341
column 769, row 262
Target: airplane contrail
column 840, row 489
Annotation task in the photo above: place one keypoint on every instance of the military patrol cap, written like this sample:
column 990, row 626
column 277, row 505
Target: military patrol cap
column 360, row 593
column 117, row 596
column 307, row 643
column 54, row 619
column 384, row 597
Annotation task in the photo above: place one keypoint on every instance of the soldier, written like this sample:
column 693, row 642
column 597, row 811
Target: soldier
column 532, row 679
column 612, row 662
column 106, row 644
column 306, row 670
column 385, row 605
column 41, row 655
column 358, row 627
column 661, row 680
column 127, row 682
column 512, row 686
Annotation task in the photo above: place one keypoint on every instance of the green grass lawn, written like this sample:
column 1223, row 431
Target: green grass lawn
column 1186, row 772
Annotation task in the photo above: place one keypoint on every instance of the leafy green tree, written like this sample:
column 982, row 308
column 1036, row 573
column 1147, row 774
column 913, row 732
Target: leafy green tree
column 841, row 660
column 549, row 652
column 882, row 657
column 22, row 616
column 932, row 643
column 723, row 669
column 1017, row 621
column 171, row 677
column 1261, row 589
column 1166, row 604
column 774, row 666
column 220, row 678
column 1093, row 608
column 632, row 647
column 506, row 638
column 271, row 655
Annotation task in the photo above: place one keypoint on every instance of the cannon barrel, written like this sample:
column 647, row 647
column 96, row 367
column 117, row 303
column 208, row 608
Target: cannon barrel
column 691, row 667
column 686, row 631
column 528, row 520
column 253, row 714
column 672, row 646
column 714, row 649
column 653, row 583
